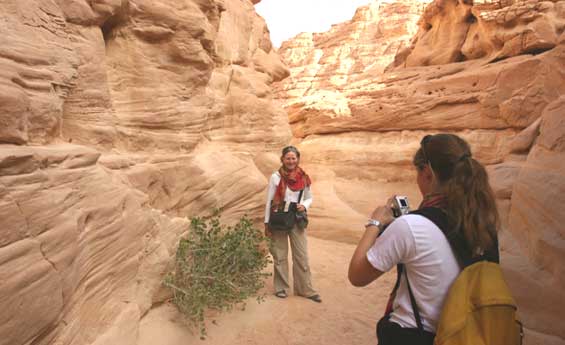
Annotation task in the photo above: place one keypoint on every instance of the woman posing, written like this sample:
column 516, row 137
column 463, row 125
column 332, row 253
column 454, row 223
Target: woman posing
column 285, row 186
column 455, row 187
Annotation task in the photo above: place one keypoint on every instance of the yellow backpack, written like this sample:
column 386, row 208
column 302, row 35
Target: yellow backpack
column 479, row 309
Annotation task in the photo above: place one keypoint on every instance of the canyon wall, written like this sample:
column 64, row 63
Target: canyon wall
column 120, row 119
column 361, row 96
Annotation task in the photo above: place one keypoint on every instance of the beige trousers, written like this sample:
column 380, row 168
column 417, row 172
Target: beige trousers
column 300, row 267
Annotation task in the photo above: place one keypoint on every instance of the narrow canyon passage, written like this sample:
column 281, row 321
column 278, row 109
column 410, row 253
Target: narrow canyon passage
column 347, row 314
column 121, row 119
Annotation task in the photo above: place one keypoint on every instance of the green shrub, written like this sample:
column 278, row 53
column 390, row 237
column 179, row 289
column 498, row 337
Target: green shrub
column 217, row 267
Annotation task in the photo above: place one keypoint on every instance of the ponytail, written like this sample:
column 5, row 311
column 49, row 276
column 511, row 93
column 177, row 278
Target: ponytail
column 471, row 206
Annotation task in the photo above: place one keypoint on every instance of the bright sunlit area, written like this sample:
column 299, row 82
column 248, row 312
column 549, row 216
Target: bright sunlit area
column 287, row 18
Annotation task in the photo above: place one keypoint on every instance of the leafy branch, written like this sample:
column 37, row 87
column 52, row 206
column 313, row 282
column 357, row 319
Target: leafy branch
column 217, row 267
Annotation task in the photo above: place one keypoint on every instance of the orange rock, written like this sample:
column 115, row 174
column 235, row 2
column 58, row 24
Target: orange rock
column 488, row 71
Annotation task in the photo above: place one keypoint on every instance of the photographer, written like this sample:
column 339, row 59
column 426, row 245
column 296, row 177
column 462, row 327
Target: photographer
column 456, row 195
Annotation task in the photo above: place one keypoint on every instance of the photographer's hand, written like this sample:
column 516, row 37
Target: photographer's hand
column 268, row 232
column 384, row 213
column 300, row 208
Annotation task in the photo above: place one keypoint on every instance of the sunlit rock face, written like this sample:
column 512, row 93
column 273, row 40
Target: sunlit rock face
column 492, row 73
column 325, row 65
column 118, row 120
column 452, row 31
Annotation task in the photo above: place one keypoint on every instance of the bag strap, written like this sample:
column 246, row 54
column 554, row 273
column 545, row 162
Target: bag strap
column 300, row 195
column 299, row 198
column 400, row 268
column 415, row 308
column 439, row 218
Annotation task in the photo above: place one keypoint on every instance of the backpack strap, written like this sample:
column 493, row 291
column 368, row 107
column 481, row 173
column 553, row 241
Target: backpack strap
column 456, row 239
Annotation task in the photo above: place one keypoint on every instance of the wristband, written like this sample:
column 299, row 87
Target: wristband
column 375, row 223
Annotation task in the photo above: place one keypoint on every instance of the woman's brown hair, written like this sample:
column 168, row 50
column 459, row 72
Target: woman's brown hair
column 471, row 207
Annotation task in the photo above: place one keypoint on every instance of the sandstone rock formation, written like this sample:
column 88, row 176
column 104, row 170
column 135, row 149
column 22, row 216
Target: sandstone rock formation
column 491, row 72
column 535, row 221
column 324, row 65
column 452, row 31
column 119, row 119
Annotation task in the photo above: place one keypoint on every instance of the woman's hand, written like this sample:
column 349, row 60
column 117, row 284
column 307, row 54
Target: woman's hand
column 268, row 232
column 300, row 208
column 384, row 213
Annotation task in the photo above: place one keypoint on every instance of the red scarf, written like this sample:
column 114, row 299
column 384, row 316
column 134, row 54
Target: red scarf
column 434, row 200
column 295, row 180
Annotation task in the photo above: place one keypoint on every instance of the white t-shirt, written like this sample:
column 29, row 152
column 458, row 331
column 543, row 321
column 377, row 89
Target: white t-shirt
column 432, row 267
column 289, row 195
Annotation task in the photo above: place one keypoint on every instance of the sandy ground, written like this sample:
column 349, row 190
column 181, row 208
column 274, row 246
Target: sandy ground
column 347, row 314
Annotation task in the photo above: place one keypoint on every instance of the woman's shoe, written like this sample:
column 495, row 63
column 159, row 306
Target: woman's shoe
column 316, row 298
column 281, row 294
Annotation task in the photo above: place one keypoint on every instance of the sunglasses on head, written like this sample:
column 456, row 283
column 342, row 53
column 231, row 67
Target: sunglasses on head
column 425, row 140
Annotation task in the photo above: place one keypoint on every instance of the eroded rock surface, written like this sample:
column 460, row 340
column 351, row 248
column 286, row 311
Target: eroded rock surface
column 119, row 119
column 452, row 31
column 325, row 66
column 492, row 72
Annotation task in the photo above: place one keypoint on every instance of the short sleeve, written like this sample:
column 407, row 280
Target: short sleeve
column 394, row 246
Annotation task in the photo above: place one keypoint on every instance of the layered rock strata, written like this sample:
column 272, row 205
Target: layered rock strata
column 324, row 65
column 119, row 119
column 492, row 72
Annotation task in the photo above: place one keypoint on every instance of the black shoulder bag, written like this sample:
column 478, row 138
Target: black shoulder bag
column 283, row 219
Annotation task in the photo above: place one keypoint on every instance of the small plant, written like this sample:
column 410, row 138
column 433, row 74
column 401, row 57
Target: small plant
column 217, row 268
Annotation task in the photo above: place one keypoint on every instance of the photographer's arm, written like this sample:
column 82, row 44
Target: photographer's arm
column 361, row 272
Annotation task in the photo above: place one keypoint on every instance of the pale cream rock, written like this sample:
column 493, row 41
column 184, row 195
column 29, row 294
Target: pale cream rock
column 490, row 72
column 170, row 112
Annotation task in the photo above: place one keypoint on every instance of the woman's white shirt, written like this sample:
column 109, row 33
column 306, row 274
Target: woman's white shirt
column 290, row 196
column 431, row 265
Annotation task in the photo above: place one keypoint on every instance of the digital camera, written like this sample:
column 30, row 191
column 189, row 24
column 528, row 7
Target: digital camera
column 400, row 205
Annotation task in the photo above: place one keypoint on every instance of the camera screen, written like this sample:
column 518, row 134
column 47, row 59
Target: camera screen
column 403, row 203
